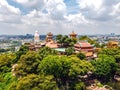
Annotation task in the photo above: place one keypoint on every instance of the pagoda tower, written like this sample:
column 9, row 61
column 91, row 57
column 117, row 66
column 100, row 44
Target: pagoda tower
column 73, row 35
column 49, row 37
column 36, row 37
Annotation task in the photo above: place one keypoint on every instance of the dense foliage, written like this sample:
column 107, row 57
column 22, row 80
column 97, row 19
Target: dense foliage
column 45, row 51
column 69, row 51
column 45, row 69
column 23, row 50
column 27, row 64
column 65, row 69
column 6, row 61
column 86, row 38
column 105, row 67
column 65, row 40
column 35, row 82
column 81, row 56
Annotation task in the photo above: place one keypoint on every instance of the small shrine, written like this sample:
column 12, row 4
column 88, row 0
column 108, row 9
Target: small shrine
column 73, row 35
column 112, row 44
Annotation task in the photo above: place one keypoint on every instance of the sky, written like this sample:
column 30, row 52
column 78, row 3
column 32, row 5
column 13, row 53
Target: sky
column 59, row 16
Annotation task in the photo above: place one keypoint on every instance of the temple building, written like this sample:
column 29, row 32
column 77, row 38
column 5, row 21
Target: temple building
column 50, row 42
column 49, row 37
column 112, row 44
column 85, row 48
column 73, row 35
column 35, row 45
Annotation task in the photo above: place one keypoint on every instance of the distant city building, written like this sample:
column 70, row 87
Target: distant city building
column 36, row 37
column 112, row 34
column 73, row 35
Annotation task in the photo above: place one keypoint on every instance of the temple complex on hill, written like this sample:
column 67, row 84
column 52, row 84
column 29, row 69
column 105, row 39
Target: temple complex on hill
column 81, row 46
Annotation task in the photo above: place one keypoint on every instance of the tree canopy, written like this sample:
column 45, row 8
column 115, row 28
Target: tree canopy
column 105, row 67
column 65, row 41
column 69, row 51
column 23, row 50
column 27, row 64
column 45, row 51
column 86, row 38
column 35, row 82
column 6, row 61
column 81, row 56
column 65, row 69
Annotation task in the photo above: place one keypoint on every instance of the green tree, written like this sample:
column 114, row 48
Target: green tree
column 114, row 52
column 45, row 51
column 59, row 38
column 105, row 67
column 35, row 82
column 80, row 67
column 27, row 64
column 65, row 69
column 23, row 50
column 65, row 41
column 69, row 51
column 86, row 38
column 6, row 61
column 80, row 86
column 117, row 57
column 6, row 79
column 81, row 56
column 110, row 51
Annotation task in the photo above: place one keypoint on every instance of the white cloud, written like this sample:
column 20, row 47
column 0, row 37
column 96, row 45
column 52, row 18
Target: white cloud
column 116, row 9
column 92, row 9
column 8, row 13
column 93, row 16
column 77, row 19
column 95, row 4
column 56, row 9
column 8, row 9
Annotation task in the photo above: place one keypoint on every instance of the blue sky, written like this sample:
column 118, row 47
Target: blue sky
column 59, row 16
column 17, row 5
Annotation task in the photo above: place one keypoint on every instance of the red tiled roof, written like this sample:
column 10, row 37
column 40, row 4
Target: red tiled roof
column 83, row 44
column 52, row 45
